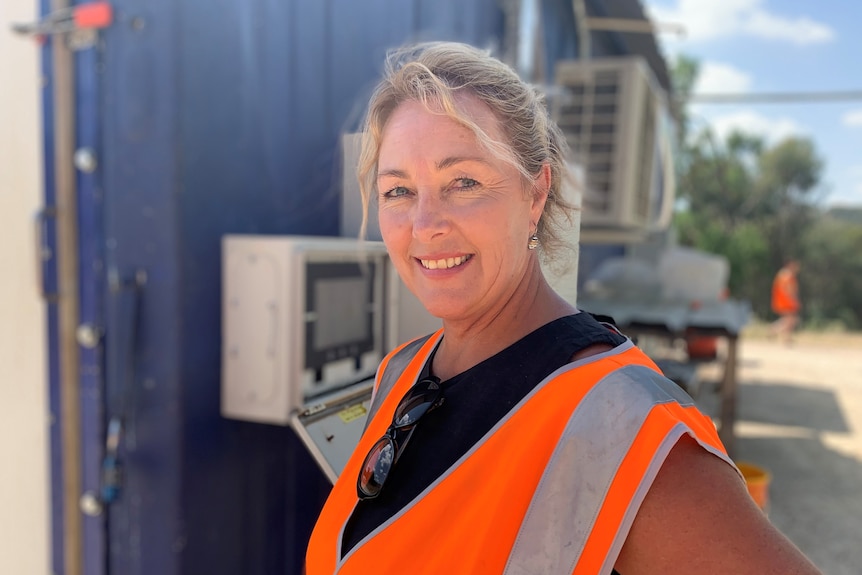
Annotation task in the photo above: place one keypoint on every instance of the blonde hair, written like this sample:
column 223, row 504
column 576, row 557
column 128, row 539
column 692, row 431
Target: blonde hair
column 433, row 73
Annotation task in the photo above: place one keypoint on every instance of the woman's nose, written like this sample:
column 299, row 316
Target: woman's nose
column 430, row 217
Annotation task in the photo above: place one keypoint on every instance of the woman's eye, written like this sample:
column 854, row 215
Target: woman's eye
column 396, row 192
column 466, row 183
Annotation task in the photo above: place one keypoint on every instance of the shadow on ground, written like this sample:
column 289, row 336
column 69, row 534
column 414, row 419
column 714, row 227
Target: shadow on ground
column 816, row 491
column 791, row 405
column 815, row 498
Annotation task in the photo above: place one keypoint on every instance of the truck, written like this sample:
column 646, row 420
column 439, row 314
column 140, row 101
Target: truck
column 165, row 126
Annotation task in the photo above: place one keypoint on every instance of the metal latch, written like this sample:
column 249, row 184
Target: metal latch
column 79, row 23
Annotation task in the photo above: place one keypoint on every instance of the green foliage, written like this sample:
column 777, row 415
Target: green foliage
column 832, row 275
column 748, row 254
column 846, row 214
column 791, row 170
column 684, row 76
column 744, row 246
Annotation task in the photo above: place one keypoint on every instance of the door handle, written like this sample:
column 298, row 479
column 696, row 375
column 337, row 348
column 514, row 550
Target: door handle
column 44, row 253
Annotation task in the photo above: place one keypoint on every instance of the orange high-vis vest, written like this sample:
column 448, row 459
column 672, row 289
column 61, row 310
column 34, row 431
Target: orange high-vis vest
column 784, row 293
column 553, row 488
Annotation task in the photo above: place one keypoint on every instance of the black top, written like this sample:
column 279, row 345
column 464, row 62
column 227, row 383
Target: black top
column 475, row 401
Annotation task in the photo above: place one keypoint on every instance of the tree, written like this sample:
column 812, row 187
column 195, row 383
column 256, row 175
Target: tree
column 832, row 278
column 740, row 198
column 787, row 189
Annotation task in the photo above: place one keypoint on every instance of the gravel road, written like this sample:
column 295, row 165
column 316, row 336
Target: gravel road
column 800, row 417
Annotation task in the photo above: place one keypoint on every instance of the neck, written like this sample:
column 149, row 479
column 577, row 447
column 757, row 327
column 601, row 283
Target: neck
column 470, row 341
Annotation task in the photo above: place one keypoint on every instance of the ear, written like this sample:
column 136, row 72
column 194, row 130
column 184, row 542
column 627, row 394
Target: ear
column 539, row 193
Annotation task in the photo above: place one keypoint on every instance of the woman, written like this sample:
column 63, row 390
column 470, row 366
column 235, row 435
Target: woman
column 524, row 437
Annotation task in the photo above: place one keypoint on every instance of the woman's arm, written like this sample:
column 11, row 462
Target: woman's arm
column 699, row 518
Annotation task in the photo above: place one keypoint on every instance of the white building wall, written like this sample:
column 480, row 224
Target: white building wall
column 24, row 475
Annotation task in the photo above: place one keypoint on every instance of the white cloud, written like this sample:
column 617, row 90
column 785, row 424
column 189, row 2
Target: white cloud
column 846, row 187
column 718, row 78
column 706, row 20
column 799, row 30
column 853, row 118
column 750, row 122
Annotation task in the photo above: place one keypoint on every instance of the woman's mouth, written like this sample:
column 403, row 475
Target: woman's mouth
column 445, row 263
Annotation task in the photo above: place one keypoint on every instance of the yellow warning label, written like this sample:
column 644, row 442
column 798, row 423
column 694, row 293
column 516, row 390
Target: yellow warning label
column 353, row 412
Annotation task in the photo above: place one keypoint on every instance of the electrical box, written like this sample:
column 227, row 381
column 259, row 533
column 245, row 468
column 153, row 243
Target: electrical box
column 302, row 317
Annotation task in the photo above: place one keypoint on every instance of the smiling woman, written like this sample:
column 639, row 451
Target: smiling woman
column 525, row 436
column 454, row 216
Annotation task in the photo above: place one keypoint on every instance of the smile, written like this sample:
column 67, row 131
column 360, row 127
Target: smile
column 444, row 263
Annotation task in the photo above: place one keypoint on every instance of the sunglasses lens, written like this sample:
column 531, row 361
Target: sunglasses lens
column 422, row 397
column 376, row 468
column 417, row 402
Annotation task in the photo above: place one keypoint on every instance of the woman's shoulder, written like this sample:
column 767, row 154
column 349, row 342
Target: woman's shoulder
column 584, row 333
column 698, row 518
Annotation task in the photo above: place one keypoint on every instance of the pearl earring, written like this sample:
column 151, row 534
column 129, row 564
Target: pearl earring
column 533, row 243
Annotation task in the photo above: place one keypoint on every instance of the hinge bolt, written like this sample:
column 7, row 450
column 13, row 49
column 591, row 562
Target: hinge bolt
column 85, row 160
column 88, row 335
column 90, row 504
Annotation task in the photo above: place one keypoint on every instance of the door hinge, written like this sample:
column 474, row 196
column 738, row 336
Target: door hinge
column 79, row 24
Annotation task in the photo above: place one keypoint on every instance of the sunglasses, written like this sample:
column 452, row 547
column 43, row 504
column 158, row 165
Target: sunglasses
column 425, row 396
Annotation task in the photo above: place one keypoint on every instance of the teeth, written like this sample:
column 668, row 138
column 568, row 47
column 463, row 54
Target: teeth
column 444, row 264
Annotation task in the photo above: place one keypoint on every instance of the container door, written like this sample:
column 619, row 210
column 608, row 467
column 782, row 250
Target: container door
column 73, row 279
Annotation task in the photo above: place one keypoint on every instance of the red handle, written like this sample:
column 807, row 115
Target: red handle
column 93, row 15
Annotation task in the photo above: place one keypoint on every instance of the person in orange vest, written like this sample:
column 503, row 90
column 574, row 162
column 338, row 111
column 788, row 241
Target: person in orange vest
column 785, row 301
column 526, row 436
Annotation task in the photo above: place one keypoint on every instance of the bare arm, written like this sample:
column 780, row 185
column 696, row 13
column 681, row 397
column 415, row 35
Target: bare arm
column 699, row 518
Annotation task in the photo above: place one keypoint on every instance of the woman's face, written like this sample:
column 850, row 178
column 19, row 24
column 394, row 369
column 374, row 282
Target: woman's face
column 455, row 218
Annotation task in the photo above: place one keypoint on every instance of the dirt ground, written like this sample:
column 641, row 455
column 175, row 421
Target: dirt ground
column 799, row 415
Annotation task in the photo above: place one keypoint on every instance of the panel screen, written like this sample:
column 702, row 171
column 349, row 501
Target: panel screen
column 339, row 311
column 342, row 311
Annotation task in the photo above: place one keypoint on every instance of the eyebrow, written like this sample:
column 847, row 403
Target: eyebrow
column 453, row 160
column 441, row 165
column 392, row 173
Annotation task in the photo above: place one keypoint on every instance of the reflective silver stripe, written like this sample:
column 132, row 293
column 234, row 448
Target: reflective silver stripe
column 576, row 480
column 396, row 365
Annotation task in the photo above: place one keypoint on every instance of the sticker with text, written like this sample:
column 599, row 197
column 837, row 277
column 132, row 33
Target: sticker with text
column 353, row 412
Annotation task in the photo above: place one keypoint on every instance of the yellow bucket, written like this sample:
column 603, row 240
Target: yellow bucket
column 757, row 479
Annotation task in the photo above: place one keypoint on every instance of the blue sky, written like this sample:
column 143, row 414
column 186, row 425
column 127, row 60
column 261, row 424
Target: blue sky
column 779, row 46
